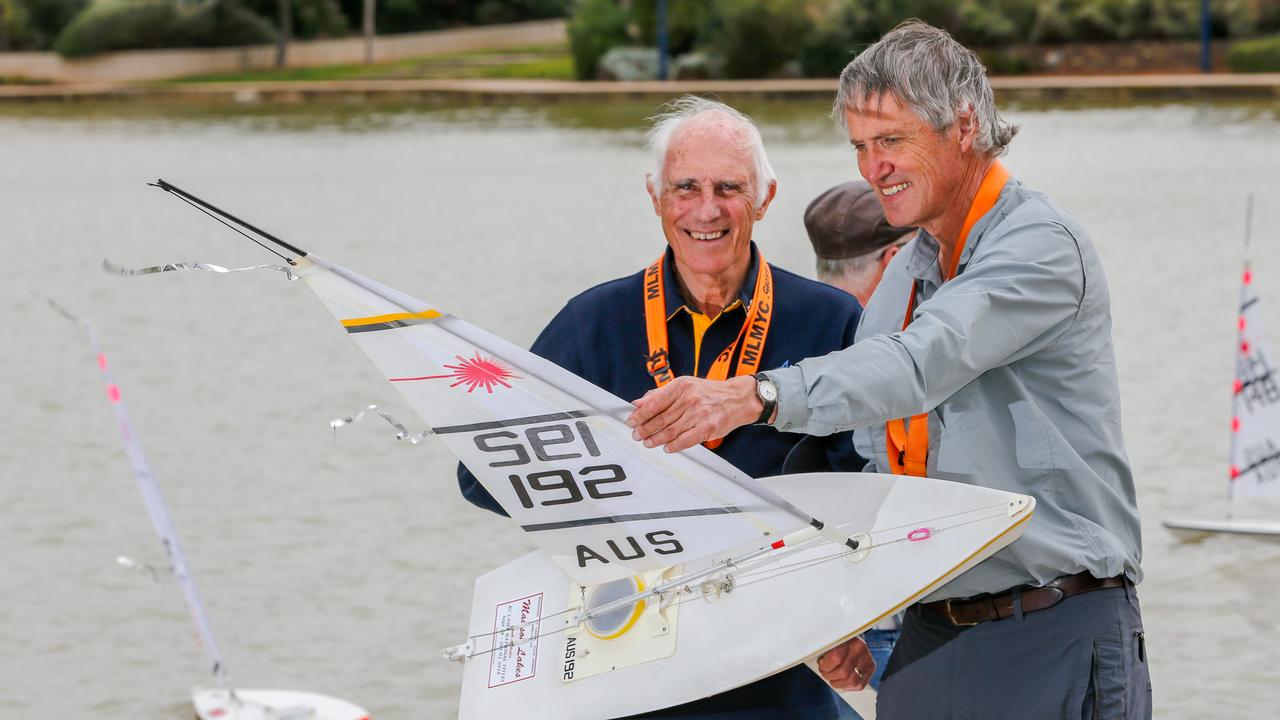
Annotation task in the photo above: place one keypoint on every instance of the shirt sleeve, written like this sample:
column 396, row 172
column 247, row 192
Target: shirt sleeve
column 1019, row 294
column 557, row 342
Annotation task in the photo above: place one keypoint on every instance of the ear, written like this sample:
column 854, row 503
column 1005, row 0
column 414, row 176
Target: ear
column 888, row 256
column 768, row 198
column 653, row 195
column 967, row 128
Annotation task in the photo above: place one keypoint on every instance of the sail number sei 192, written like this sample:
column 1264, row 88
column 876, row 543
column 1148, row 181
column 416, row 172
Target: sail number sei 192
column 560, row 486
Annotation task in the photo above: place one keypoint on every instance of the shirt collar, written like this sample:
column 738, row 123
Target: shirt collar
column 677, row 302
column 923, row 263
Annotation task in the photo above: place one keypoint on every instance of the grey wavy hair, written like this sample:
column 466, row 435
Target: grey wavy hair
column 926, row 69
column 677, row 112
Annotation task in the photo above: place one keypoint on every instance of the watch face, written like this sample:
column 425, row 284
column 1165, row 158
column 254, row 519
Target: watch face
column 768, row 391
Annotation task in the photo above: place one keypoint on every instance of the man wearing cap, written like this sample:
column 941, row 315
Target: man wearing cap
column 710, row 306
column 984, row 357
column 851, row 238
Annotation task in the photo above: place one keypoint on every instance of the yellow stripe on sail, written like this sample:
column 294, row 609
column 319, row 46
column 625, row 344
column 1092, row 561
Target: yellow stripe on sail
column 393, row 317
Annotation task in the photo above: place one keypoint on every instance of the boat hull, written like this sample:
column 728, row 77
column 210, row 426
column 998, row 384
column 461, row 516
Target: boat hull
column 525, row 661
column 1192, row 530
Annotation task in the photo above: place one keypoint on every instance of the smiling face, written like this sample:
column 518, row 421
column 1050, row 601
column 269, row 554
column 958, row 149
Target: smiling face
column 922, row 177
column 708, row 199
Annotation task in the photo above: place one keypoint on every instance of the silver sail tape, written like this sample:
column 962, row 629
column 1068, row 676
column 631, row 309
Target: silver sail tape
column 402, row 432
column 175, row 267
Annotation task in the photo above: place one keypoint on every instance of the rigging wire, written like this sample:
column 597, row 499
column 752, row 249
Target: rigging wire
column 759, row 576
column 255, row 240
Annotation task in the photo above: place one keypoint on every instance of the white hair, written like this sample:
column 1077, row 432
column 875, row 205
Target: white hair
column 678, row 112
column 927, row 70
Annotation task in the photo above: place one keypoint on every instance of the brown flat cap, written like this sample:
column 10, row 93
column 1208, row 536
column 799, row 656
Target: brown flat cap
column 847, row 221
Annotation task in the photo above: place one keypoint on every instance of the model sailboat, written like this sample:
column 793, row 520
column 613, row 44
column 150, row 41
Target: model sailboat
column 224, row 702
column 661, row 578
column 1254, row 465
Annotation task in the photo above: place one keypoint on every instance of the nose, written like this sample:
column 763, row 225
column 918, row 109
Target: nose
column 708, row 207
column 874, row 165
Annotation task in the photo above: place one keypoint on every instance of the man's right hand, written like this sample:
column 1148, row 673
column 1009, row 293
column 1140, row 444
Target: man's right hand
column 847, row 666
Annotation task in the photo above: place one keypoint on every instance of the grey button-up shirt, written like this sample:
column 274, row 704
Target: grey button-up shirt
column 1013, row 361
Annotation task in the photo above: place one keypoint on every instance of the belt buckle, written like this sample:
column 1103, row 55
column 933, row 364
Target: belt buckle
column 951, row 615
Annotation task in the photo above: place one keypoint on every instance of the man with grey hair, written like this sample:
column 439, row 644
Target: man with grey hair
column 984, row 357
column 852, row 239
column 710, row 306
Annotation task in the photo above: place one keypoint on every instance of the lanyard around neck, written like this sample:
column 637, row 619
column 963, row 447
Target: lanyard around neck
column 751, row 337
column 908, row 445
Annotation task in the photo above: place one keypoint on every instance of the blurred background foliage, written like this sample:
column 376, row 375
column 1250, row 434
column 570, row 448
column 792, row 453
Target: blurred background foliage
column 707, row 38
column 817, row 38
column 100, row 25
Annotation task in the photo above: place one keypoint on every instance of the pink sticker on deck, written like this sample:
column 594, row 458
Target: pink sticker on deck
column 920, row 534
column 515, row 641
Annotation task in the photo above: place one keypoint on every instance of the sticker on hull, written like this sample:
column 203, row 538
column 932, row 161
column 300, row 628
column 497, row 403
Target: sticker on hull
column 515, row 627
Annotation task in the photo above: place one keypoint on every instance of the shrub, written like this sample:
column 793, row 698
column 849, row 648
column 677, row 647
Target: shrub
column 596, row 26
column 489, row 12
column 841, row 32
column 15, row 27
column 757, row 37
column 998, row 62
column 141, row 24
column 311, row 18
column 1259, row 55
column 687, row 22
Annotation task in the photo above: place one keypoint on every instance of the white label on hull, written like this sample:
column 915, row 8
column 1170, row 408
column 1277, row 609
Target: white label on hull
column 515, row 626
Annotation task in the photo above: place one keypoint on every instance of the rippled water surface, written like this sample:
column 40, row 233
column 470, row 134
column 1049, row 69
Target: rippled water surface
column 345, row 566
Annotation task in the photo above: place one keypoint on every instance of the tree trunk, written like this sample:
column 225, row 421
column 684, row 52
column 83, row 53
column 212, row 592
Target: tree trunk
column 286, row 32
column 368, row 31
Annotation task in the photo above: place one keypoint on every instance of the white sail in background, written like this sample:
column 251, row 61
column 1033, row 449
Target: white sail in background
column 550, row 447
column 156, row 509
column 1255, row 422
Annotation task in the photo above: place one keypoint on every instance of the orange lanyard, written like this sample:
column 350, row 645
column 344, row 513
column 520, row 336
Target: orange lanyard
column 908, row 445
column 754, row 330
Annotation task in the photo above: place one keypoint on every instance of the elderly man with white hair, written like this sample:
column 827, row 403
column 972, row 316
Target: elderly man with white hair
column 710, row 306
column 985, row 356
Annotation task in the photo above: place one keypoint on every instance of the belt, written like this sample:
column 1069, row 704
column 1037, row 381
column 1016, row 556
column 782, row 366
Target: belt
column 971, row 611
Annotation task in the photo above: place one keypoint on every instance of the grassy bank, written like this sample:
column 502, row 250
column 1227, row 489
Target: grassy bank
column 550, row 62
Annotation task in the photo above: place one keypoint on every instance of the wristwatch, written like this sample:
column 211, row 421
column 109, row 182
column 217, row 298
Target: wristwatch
column 767, row 392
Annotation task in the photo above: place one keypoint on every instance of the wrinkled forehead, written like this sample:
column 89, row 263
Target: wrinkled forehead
column 710, row 146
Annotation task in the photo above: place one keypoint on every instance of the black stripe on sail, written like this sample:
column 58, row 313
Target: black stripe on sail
column 1261, row 378
column 1274, row 457
column 511, row 422
column 384, row 326
column 612, row 519
column 1248, row 304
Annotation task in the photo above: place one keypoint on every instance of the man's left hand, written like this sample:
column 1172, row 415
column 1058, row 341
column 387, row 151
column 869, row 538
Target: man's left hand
column 848, row 666
column 690, row 410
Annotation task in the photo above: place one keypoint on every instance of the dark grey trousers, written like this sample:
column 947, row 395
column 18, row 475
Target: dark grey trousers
column 1084, row 658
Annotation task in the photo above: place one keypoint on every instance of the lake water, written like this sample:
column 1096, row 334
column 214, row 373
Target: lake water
column 344, row 566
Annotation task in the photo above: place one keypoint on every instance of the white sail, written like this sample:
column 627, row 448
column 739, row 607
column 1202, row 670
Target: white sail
column 159, row 514
column 551, row 447
column 1255, row 425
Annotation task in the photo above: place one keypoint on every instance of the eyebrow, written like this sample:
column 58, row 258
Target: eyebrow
column 892, row 131
column 717, row 181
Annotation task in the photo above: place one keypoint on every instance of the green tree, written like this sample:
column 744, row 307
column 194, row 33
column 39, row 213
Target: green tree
column 757, row 37
column 594, row 27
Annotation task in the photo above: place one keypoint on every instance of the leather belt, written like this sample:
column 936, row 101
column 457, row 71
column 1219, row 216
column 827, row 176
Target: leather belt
column 983, row 608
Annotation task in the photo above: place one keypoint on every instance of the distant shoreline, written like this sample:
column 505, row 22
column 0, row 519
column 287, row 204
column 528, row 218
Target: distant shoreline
column 1055, row 87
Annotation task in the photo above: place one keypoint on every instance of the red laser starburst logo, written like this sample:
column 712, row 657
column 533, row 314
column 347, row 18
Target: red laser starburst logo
column 476, row 372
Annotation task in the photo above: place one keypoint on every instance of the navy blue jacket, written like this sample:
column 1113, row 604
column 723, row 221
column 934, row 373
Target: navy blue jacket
column 600, row 336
